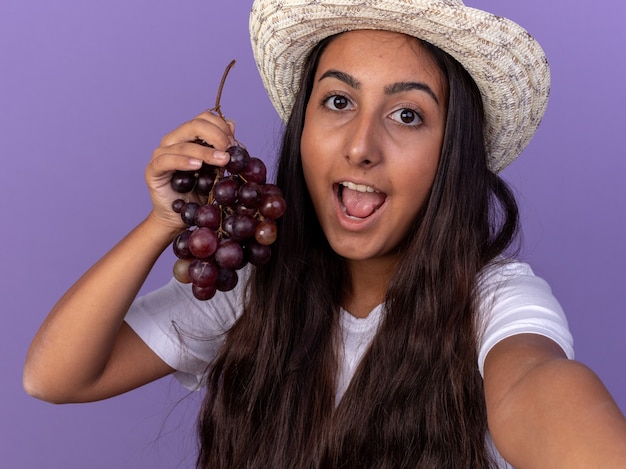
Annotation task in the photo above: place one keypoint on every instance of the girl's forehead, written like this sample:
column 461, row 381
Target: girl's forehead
column 383, row 57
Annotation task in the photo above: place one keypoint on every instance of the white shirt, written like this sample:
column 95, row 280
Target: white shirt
column 187, row 333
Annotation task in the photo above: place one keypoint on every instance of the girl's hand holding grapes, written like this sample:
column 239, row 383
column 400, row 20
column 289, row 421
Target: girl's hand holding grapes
column 180, row 150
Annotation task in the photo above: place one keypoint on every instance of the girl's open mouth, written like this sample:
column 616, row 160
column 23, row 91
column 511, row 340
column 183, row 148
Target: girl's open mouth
column 359, row 200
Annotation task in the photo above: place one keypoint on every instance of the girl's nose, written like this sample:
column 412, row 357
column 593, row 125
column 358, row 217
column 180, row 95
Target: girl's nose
column 363, row 142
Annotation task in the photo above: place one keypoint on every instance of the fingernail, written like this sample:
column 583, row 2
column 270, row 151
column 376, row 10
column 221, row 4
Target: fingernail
column 195, row 162
column 220, row 155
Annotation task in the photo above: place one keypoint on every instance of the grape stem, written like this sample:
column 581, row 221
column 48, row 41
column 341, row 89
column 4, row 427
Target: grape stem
column 217, row 107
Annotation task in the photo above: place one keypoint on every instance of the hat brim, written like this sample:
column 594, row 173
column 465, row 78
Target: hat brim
column 507, row 64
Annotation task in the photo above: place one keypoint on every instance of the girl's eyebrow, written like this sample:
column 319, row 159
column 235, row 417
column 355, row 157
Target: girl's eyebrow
column 411, row 85
column 389, row 89
column 342, row 76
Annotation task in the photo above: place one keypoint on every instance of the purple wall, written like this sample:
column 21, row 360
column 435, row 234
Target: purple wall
column 87, row 89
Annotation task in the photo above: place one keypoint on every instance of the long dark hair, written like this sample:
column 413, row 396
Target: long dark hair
column 416, row 399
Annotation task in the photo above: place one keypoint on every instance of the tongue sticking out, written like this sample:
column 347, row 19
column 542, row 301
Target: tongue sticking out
column 361, row 204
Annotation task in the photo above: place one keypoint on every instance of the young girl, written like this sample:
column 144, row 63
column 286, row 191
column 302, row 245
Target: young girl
column 391, row 327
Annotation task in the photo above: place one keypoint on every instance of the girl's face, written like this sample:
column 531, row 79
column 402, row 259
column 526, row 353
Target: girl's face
column 371, row 141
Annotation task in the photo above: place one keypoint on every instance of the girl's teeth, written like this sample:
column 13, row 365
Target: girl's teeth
column 357, row 187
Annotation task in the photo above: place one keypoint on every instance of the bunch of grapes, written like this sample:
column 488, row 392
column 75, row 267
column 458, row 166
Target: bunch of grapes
column 235, row 226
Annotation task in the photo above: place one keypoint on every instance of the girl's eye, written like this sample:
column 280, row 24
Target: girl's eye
column 407, row 117
column 337, row 102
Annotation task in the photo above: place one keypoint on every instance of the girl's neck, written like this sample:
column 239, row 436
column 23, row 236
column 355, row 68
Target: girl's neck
column 369, row 281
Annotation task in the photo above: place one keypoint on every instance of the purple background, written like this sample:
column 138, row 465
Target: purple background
column 87, row 89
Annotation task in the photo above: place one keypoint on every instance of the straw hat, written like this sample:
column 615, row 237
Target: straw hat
column 506, row 63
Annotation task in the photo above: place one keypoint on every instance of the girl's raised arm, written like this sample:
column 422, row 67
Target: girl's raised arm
column 84, row 351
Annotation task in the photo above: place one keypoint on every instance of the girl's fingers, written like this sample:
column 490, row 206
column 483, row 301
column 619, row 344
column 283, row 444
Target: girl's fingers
column 189, row 153
column 163, row 163
column 231, row 125
column 206, row 126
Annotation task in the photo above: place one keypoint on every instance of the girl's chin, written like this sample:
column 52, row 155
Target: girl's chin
column 358, row 250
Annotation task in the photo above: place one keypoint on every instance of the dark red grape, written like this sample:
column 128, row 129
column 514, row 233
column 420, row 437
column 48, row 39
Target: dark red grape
column 203, row 242
column 241, row 209
column 271, row 189
column 203, row 273
column 181, row 245
column 204, row 183
column 208, row 216
column 229, row 254
column 244, row 227
column 225, row 191
column 183, row 181
column 266, row 232
column 188, row 213
column 226, row 280
column 204, row 293
column 250, row 194
column 239, row 158
column 272, row 206
column 178, row 205
column 255, row 171
column 257, row 254
column 227, row 224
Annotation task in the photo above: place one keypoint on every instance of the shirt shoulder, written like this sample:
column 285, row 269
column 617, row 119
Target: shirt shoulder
column 185, row 332
column 513, row 300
